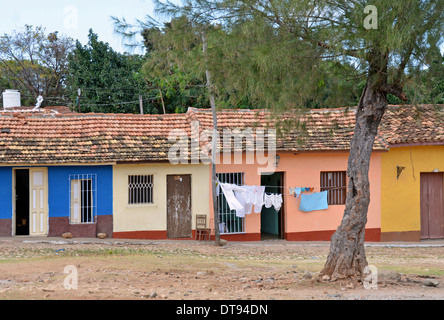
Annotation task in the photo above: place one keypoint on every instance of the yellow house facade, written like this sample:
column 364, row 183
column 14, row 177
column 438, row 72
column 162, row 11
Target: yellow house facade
column 405, row 192
column 159, row 200
column 412, row 174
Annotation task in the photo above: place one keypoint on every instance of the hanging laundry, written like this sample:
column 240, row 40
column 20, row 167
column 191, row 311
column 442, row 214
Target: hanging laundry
column 297, row 192
column 243, row 199
column 268, row 200
column 245, row 191
column 313, row 202
column 277, row 202
column 257, row 198
column 274, row 199
column 246, row 207
column 292, row 190
column 233, row 202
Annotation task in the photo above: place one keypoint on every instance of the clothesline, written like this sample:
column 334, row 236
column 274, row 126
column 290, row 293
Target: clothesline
column 264, row 185
column 245, row 199
column 280, row 187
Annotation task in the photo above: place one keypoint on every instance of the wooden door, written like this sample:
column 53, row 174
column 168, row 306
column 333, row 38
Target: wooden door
column 179, row 206
column 38, row 193
column 76, row 201
column 432, row 206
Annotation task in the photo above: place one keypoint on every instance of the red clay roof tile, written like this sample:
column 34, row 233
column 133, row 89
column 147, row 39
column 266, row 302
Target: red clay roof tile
column 37, row 138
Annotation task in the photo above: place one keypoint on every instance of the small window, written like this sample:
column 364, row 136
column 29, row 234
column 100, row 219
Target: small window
column 82, row 198
column 336, row 185
column 140, row 189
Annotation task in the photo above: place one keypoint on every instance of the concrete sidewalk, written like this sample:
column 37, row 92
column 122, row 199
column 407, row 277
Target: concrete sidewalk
column 112, row 241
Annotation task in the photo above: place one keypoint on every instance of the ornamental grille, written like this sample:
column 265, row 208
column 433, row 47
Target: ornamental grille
column 140, row 189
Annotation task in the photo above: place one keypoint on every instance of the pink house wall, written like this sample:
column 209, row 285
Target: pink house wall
column 303, row 170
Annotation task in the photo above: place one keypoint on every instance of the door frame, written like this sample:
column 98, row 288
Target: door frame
column 45, row 200
column 13, row 200
column 281, row 216
column 191, row 203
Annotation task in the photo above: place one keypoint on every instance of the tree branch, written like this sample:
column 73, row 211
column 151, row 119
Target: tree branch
column 396, row 90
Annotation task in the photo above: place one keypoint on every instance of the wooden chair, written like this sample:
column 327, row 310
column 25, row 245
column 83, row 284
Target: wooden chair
column 202, row 231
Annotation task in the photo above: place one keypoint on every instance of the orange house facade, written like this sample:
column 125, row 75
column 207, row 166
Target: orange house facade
column 305, row 170
column 405, row 174
column 306, row 164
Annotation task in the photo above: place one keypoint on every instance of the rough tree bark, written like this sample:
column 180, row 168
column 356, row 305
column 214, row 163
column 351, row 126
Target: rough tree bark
column 347, row 255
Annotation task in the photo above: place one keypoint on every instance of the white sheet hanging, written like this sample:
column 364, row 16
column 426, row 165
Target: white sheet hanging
column 257, row 198
column 243, row 199
column 233, row 202
column 242, row 194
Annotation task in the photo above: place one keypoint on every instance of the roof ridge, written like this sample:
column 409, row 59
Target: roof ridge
column 87, row 115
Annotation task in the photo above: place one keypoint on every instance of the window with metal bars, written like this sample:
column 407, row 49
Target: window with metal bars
column 229, row 222
column 335, row 183
column 83, row 198
column 140, row 189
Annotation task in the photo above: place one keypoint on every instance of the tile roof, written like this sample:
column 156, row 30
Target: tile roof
column 56, row 138
column 315, row 130
column 332, row 129
column 86, row 138
column 413, row 124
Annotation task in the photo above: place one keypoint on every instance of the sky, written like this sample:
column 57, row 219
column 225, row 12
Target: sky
column 74, row 18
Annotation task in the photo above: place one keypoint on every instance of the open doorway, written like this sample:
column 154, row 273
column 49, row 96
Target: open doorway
column 21, row 202
column 272, row 221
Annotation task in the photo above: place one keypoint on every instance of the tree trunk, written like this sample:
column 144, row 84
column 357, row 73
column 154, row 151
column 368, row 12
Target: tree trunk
column 347, row 255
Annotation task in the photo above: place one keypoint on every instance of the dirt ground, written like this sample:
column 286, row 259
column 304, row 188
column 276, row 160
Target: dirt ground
column 188, row 270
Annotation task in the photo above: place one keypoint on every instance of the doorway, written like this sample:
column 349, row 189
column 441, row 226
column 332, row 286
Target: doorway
column 432, row 205
column 272, row 221
column 179, row 206
column 22, row 202
column 31, row 201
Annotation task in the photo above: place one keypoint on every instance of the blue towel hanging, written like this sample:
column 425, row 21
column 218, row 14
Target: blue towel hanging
column 313, row 202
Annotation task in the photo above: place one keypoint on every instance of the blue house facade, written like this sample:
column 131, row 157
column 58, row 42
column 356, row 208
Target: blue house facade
column 6, row 208
column 52, row 200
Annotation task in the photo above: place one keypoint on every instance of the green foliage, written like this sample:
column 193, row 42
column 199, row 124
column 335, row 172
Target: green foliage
column 296, row 54
column 109, row 81
column 429, row 89
column 181, row 84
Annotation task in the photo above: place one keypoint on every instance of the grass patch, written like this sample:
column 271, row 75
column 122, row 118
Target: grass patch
column 416, row 270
